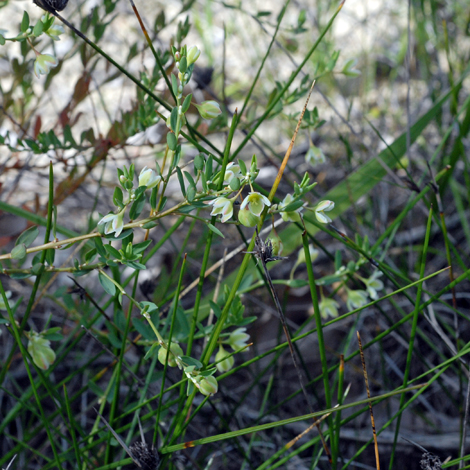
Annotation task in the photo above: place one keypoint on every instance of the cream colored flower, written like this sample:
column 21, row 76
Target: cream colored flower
column 223, row 206
column 255, row 202
column 149, row 178
column 44, row 63
column 113, row 223
column 320, row 211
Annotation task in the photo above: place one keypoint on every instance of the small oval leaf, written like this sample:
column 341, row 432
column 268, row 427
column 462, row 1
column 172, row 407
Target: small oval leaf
column 28, row 236
column 215, row 230
column 19, row 252
column 107, row 285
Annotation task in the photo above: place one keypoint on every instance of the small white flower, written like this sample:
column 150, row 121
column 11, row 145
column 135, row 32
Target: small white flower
column 222, row 205
column 373, row 284
column 315, row 155
column 113, row 223
column 320, row 211
column 289, row 216
column 232, row 171
column 356, row 299
column 44, row 63
column 238, row 339
column 256, row 203
column 328, row 308
column 149, row 178
column 55, row 31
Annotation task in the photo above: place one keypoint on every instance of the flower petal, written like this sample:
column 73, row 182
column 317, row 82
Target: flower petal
column 325, row 206
column 107, row 218
column 265, row 200
column 118, row 225
column 108, row 228
column 322, row 218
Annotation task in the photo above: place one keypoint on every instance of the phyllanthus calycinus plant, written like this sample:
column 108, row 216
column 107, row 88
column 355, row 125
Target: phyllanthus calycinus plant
column 208, row 185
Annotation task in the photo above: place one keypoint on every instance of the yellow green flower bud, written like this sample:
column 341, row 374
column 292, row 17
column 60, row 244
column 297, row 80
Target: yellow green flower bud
column 246, row 218
column 40, row 350
column 224, row 365
column 208, row 109
column 276, row 243
column 175, row 351
column 192, row 55
column 208, row 385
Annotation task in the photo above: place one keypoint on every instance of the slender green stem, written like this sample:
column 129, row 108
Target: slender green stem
column 168, row 350
column 72, row 423
column 341, row 397
column 118, row 368
column 414, row 326
column 309, row 416
column 154, row 52
column 318, row 322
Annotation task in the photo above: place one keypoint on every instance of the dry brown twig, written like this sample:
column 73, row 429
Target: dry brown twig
column 374, row 432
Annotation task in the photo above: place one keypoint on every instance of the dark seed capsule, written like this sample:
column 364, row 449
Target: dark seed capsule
column 145, row 457
column 51, row 5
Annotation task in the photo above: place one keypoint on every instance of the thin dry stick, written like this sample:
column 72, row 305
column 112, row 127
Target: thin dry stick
column 289, row 150
column 370, row 403
column 302, row 434
column 11, row 461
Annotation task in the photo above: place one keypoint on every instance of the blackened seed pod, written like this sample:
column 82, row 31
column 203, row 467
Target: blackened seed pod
column 51, row 5
column 145, row 457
